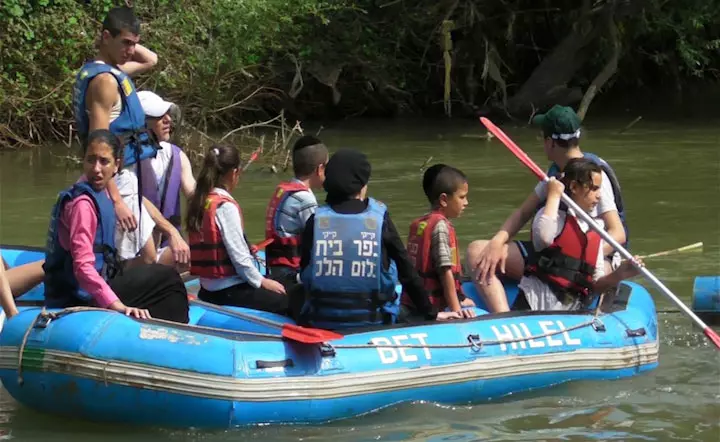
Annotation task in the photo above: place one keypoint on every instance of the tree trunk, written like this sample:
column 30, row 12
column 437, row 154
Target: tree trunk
column 610, row 68
column 547, row 84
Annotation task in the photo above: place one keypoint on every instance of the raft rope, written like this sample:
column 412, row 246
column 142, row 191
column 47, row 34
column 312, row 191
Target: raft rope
column 475, row 342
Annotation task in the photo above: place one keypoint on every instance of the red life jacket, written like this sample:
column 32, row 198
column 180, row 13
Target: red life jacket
column 419, row 250
column 208, row 256
column 284, row 250
column 568, row 264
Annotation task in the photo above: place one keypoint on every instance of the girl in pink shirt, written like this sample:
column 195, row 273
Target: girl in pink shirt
column 81, row 266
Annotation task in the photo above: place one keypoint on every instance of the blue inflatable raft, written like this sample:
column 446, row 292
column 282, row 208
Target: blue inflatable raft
column 220, row 371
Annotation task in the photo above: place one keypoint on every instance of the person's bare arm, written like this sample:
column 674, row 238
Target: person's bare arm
column 143, row 60
column 614, row 227
column 102, row 94
column 178, row 246
column 495, row 253
column 187, row 180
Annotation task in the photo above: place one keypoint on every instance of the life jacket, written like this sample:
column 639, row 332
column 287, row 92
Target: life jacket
column 555, row 171
column 419, row 246
column 167, row 199
column 208, row 256
column 568, row 264
column 61, row 286
column 345, row 282
column 139, row 141
column 284, row 250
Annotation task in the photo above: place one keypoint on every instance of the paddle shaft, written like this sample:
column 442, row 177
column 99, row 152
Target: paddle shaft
column 525, row 159
column 236, row 314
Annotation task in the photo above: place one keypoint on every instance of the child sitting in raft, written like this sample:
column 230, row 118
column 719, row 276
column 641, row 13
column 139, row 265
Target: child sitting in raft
column 219, row 251
column 570, row 262
column 292, row 203
column 347, row 247
column 81, row 265
column 432, row 245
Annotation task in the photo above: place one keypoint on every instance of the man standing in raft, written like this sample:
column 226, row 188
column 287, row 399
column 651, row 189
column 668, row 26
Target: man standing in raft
column 561, row 132
column 105, row 98
column 99, row 104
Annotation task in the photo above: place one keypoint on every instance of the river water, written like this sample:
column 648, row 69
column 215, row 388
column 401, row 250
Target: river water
column 670, row 172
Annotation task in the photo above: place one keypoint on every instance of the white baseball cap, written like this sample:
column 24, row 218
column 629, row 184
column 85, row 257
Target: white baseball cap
column 153, row 105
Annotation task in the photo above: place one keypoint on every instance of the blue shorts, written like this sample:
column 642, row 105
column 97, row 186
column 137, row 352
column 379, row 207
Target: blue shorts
column 527, row 250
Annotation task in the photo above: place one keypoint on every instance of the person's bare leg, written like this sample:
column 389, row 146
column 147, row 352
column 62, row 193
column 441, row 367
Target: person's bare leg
column 493, row 292
column 148, row 255
column 24, row 277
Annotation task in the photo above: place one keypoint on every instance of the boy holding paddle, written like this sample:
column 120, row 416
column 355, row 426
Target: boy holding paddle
column 561, row 132
column 569, row 263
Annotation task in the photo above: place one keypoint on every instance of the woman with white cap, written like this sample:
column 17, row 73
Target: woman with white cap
column 169, row 173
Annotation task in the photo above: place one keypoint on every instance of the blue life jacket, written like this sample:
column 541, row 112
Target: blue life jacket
column 346, row 283
column 130, row 125
column 61, row 286
column 554, row 171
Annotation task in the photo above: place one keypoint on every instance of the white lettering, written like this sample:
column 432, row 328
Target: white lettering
column 545, row 326
column 387, row 355
column 365, row 247
column 566, row 335
column 368, row 235
column 421, row 339
column 336, row 243
column 320, row 244
column 404, row 356
column 506, row 335
column 533, row 343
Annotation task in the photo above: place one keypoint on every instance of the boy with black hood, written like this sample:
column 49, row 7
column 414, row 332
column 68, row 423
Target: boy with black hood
column 347, row 248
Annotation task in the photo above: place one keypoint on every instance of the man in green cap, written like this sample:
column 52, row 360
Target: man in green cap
column 561, row 140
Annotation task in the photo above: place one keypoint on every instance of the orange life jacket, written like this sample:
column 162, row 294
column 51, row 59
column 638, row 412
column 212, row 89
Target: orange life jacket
column 284, row 250
column 208, row 256
column 419, row 250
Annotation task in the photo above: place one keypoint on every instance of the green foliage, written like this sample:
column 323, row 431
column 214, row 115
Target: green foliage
column 228, row 61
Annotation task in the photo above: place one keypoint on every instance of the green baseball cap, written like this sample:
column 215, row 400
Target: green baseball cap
column 560, row 122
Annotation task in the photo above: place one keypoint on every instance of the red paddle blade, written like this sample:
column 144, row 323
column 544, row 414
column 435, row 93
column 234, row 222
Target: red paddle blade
column 710, row 333
column 253, row 157
column 263, row 244
column 308, row 335
column 514, row 148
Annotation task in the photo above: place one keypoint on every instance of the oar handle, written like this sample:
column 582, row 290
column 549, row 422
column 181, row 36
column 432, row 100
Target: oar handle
column 527, row 161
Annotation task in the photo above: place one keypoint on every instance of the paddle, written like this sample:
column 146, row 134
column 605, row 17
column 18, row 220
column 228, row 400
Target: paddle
column 525, row 159
column 289, row 331
column 253, row 157
column 697, row 245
